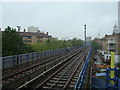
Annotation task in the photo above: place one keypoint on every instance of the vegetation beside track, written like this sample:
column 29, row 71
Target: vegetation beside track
column 11, row 41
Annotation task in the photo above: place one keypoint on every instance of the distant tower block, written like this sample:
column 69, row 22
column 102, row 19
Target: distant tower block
column 88, row 39
column 32, row 29
column 115, row 29
column 119, row 15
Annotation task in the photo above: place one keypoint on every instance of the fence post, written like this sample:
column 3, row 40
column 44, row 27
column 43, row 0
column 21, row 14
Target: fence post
column 3, row 62
column 20, row 59
column 32, row 57
column 44, row 54
column 37, row 55
column 27, row 57
column 13, row 60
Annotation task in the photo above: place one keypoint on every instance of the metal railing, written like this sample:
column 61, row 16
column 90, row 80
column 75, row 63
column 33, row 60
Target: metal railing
column 80, row 80
column 109, row 85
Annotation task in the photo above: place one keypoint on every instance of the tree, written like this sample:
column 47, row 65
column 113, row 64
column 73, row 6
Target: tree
column 76, row 42
column 10, row 41
column 96, row 45
column 55, row 44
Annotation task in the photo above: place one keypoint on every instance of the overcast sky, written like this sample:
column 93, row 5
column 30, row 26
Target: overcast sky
column 62, row 19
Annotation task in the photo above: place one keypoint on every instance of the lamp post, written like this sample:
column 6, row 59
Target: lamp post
column 85, row 39
column 18, row 44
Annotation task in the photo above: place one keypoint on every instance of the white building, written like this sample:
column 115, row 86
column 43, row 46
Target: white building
column 115, row 29
column 119, row 15
column 33, row 29
column 88, row 39
column 112, row 43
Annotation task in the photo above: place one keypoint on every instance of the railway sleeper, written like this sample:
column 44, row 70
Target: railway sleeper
column 61, row 79
column 62, row 76
column 73, row 82
column 46, row 87
column 71, row 86
column 60, row 85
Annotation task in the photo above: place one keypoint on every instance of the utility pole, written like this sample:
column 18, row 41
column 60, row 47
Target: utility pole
column 18, row 44
column 85, row 39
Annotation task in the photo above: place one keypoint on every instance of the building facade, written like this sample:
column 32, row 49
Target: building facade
column 32, row 29
column 111, row 43
column 34, row 37
column 88, row 39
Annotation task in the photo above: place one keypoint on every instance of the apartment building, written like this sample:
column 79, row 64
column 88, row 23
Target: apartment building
column 88, row 39
column 34, row 37
column 111, row 43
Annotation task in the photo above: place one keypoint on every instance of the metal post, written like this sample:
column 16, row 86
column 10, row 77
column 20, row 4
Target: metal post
column 112, row 67
column 18, row 44
column 85, row 40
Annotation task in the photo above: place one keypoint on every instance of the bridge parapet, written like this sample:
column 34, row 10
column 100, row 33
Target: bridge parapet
column 81, row 78
column 15, row 60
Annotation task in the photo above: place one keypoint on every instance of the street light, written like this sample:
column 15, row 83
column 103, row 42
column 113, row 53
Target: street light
column 18, row 43
column 85, row 40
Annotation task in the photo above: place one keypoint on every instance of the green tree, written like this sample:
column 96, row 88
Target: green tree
column 55, row 44
column 10, row 42
column 96, row 45
column 76, row 42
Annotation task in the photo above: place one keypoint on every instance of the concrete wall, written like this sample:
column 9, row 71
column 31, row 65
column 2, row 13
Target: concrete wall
column 117, row 59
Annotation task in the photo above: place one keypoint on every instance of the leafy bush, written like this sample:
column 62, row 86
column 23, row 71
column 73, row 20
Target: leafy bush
column 55, row 44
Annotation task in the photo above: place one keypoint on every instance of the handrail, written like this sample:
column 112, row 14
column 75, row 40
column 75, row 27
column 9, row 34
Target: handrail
column 80, row 80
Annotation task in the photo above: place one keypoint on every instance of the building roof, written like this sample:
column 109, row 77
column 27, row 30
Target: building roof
column 34, row 34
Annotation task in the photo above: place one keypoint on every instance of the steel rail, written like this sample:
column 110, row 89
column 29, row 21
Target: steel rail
column 28, row 69
column 41, row 84
column 67, row 83
column 33, row 80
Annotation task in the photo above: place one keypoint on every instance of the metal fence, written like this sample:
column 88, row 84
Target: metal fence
column 80, row 80
column 15, row 60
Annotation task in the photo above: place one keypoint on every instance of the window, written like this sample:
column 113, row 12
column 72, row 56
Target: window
column 110, row 57
column 107, row 57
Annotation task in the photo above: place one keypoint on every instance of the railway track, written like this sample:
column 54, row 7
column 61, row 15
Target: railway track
column 18, row 68
column 27, row 74
column 64, row 75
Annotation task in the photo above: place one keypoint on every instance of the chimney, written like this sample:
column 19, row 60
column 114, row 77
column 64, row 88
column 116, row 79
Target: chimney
column 24, row 30
column 38, row 30
column 106, row 35
column 47, row 33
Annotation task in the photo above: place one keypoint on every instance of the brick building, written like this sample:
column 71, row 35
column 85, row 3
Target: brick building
column 34, row 37
column 111, row 43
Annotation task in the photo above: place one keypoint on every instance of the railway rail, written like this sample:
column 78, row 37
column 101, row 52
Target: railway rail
column 63, row 75
column 27, row 74
column 19, row 68
column 11, row 71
